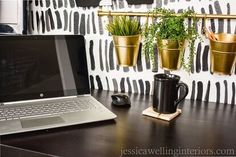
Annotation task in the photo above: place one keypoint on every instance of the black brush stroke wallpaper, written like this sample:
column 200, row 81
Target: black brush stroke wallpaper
column 80, row 17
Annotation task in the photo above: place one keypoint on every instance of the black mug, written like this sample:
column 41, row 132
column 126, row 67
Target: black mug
column 165, row 95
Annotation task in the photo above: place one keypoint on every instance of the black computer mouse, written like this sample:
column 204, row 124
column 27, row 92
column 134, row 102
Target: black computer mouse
column 120, row 100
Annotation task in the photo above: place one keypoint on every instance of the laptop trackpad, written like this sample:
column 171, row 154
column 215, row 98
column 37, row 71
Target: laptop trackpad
column 28, row 123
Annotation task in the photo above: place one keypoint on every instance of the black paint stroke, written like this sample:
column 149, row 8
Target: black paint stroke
column 158, row 3
column 166, row 71
column 199, row 90
column 181, row 11
column 122, row 85
column 37, row 20
column 135, row 68
column 206, row 99
column 60, row 3
column 111, row 57
column 202, row 20
column 59, row 23
column 32, row 19
column 147, row 59
column 139, row 60
column 217, row 92
column 106, row 55
column 129, row 85
column 100, row 25
column 51, row 19
column 233, row 94
column 115, row 5
column 205, row 58
column 115, row 85
column 135, row 2
column 141, row 86
column 36, row 2
column 72, row 3
column 41, row 3
column 220, row 21
column 126, row 69
column 88, row 24
column 99, row 82
column 54, row 4
column 108, row 86
column 193, row 91
column 148, row 87
column 47, row 3
column 93, row 23
column 121, row 4
column 212, row 20
column 87, row 3
column 198, row 58
column 100, row 55
column 228, row 20
column 226, row 92
column 76, row 23
column 91, row 82
column 135, row 86
column 91, row 53
column 47, row 21
column 155, row 60
column 117, row 67
column 165, row 2
column 82, row 24
column 43, row 22
column 66, row 19
column 65, row 3
column 70, row 21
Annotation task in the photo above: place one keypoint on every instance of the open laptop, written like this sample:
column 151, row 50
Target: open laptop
column 44, row 84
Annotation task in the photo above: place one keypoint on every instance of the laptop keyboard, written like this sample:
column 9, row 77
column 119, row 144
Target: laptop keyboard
column 47, row 109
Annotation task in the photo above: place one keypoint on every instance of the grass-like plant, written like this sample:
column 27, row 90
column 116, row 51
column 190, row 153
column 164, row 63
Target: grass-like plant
column 124, row 26
column 170, row 26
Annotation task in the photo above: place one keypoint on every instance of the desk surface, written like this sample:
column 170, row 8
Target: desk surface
column 202, row 127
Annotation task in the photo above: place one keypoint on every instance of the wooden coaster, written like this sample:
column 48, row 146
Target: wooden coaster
column 167, row 117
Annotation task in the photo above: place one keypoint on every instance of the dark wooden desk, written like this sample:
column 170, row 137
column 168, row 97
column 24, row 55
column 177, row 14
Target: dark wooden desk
column 200, row 127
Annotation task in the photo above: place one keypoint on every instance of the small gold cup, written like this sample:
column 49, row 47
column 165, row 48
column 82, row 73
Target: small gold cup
column 223, row 53
column 170, row 53
column 127, row 48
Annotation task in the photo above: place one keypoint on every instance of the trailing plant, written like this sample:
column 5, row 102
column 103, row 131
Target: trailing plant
column 124, row 26
column 170, row 26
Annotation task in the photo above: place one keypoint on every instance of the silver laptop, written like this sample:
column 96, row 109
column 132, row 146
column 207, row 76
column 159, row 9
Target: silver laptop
column 44, row 84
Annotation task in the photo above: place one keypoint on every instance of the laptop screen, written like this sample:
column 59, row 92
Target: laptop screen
column 33, row 67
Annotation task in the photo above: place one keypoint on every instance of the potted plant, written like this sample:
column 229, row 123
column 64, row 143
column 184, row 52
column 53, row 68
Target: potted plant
column 171, row 34
column 126, row 33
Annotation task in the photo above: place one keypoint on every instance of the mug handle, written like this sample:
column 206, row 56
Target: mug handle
column 185, row 94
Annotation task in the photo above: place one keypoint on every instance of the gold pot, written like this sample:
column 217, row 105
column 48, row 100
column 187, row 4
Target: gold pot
column 170, row 53
column 223, row 54
column 127, row 48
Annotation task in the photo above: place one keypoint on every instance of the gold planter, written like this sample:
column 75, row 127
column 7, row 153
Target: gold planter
column 127, row 48
column 170, row 53
column 223, row 54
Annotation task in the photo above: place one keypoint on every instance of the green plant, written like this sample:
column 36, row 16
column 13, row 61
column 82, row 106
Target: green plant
column 170, row 26
column 124, row 26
